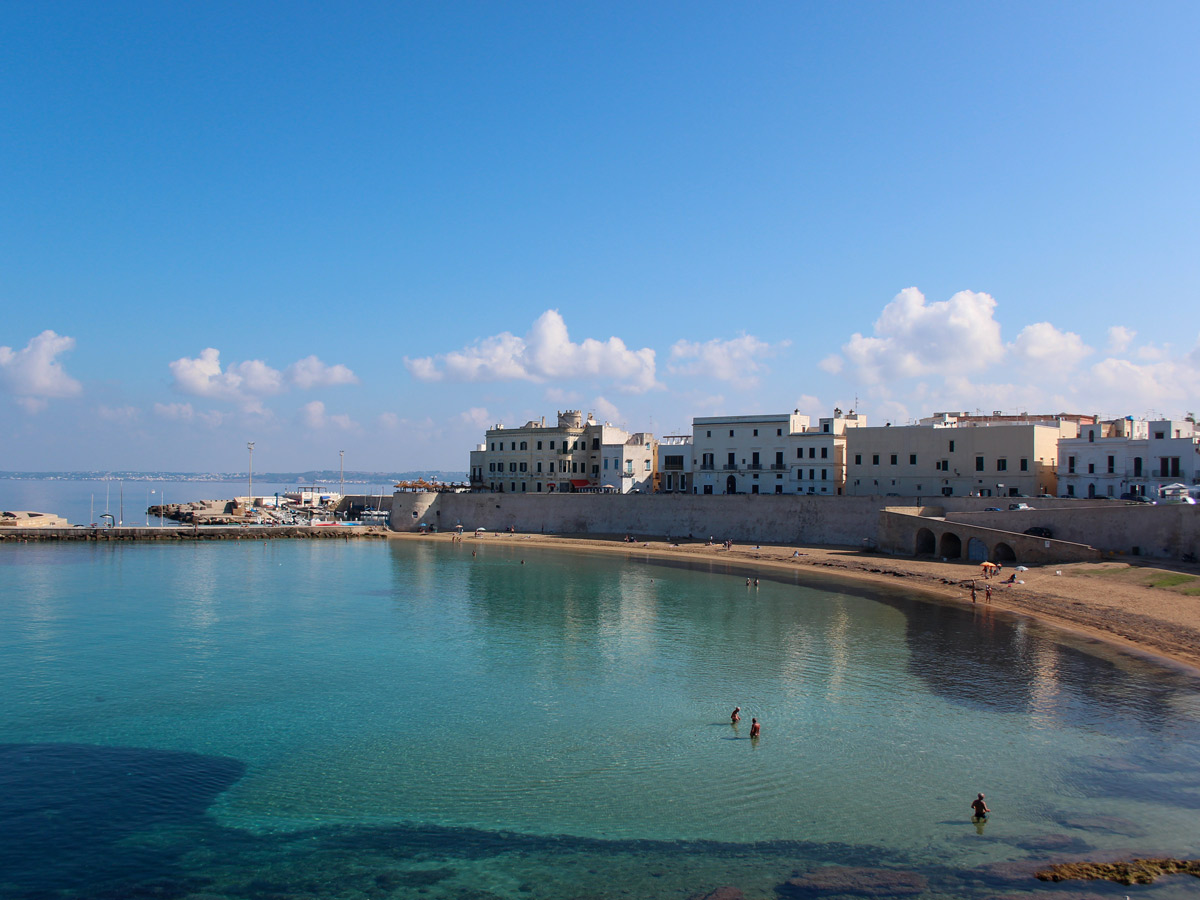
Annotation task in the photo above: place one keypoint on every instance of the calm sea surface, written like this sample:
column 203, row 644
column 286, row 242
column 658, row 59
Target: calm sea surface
column 268, row 719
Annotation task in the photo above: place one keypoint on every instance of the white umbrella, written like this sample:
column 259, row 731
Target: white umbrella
column 1022, row 568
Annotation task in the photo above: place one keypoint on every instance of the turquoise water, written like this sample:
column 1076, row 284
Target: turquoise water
column 362, row 719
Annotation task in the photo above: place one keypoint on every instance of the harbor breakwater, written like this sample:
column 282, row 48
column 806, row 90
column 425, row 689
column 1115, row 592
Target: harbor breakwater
column 193, row 533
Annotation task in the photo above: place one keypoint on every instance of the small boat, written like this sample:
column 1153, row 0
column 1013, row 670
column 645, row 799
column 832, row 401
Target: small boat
column 375, row 517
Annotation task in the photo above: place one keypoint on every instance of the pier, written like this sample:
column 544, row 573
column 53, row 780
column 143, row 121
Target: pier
column 192, row 533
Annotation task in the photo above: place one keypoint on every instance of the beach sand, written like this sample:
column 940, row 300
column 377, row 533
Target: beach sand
column 1140, row 606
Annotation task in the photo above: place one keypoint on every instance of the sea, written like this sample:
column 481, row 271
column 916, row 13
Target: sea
column 487, row 719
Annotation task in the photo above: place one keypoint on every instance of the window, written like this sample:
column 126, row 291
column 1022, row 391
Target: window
column 512, row 467
column 539, row 468
column 1112, row 465
column 894, row 458
column 1092, row 436
column 647, row 465
column 1110, row 490
column 875, row 459
column 524, row 467
column 824, row 453
column 1002, row 465
column 524, row 445
column 812, row 452
column 522, row 487
column 491, row 467
column 1091, row 468
column 756, row 432
column 493, row 446
column 912, row 459
column 858, row 459
column 552, row 467
column 595, row 469
column 1070, row 490
column 731, row 432
column 574, row 468
column 1070, row 465
column 812, row 474
column 952, row 446
column 825, row 428
column 552, row 447
column 1159, row 435
column 1137, row 466
column 708, row 434
column 539, row 447
column 1024, row 465
column 778, row 432
column 595, row 443
column 823, row 475
column 979, row 464
column 539, row 487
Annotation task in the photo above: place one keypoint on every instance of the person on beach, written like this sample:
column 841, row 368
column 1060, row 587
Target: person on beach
column 755, row 728
column 972, row 592
column 987, row 594
column 980, row 808
column 736, row 715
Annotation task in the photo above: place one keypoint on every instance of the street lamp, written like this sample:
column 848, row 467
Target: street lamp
column 250, row 486
column 148, row 493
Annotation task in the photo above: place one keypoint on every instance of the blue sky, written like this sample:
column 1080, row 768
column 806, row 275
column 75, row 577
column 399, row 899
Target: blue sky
column 385, row 228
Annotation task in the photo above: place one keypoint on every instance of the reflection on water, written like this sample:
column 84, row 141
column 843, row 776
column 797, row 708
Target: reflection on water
column 275, row 719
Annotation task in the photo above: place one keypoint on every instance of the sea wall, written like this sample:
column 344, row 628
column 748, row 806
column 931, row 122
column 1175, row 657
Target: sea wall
column 746, row 517
column 191, row 533
column 1170, row 532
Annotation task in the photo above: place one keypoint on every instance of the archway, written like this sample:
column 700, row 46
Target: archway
column 951, row 546
column 976, row 550
column 1002, row 553
column 926, row 543
column 731, row 485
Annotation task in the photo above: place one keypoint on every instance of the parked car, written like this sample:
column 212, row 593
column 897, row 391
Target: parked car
column 1019, row 506
column 1039, row 531
column 1136, row 498
column 992, row 509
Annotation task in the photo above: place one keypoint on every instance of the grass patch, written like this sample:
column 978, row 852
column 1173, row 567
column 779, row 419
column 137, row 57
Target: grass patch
column 1170, row 580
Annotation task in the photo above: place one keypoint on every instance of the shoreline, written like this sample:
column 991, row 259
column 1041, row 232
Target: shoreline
column 1087, row 599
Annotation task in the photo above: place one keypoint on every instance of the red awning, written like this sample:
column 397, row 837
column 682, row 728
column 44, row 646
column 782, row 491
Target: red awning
column 579, row 482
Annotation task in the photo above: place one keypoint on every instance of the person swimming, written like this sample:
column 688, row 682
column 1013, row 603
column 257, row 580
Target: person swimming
column 736, row 715
column 755, row 728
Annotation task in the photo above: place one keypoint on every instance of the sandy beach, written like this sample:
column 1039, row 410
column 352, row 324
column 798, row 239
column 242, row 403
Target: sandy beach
column 1138, row 604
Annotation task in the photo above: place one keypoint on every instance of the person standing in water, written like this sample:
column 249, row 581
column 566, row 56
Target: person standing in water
column 755, row 728
column 736, row 715
column 980, row 808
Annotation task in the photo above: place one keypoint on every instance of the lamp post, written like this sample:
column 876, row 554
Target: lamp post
column 250, row 485
column 342, row 474
column 148, row 493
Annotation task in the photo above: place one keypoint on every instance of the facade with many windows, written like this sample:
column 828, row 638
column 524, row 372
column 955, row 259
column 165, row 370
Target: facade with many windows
column 574, row 454
column 770, row 454
column 955, row 460
column 1129, row 457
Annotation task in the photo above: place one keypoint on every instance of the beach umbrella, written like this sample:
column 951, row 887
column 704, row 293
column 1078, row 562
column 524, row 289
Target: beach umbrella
column 1022, row 568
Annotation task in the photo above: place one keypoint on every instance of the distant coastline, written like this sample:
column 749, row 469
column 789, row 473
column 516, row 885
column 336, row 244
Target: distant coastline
column 316, row 476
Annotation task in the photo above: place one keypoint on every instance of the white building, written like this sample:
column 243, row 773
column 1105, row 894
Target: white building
column 1129, row 457
column 675, row 464
column 955, row 459
column 770, row 454
column 574, row 454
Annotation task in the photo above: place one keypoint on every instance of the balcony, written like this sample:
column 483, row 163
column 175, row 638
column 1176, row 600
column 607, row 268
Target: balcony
column 706, row 467
column 755, row 467
column 779, row 467
column 729, row 467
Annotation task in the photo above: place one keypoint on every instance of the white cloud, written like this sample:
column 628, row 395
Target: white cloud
column 310, row 372
column 388, row 420
column 738, row 360
column 914, row 339
column 810, row 406
column 1044, row 346
column 314, row 417
column 1119, row 338
column 545, row 353
column 246, row 383
column 605, row 411
column 34, row 375
column 477, row 416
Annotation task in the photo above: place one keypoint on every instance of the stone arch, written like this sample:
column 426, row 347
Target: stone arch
column 926, row 544
column 951, row 546
column 1002, row 553
column 977, row 550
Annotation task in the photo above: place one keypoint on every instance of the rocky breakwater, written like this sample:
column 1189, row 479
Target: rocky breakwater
column 192, row 533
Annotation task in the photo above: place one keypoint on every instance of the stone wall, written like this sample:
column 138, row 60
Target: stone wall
column 1160, row 531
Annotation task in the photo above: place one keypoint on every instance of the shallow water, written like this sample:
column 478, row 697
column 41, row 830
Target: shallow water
column 279, row 718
